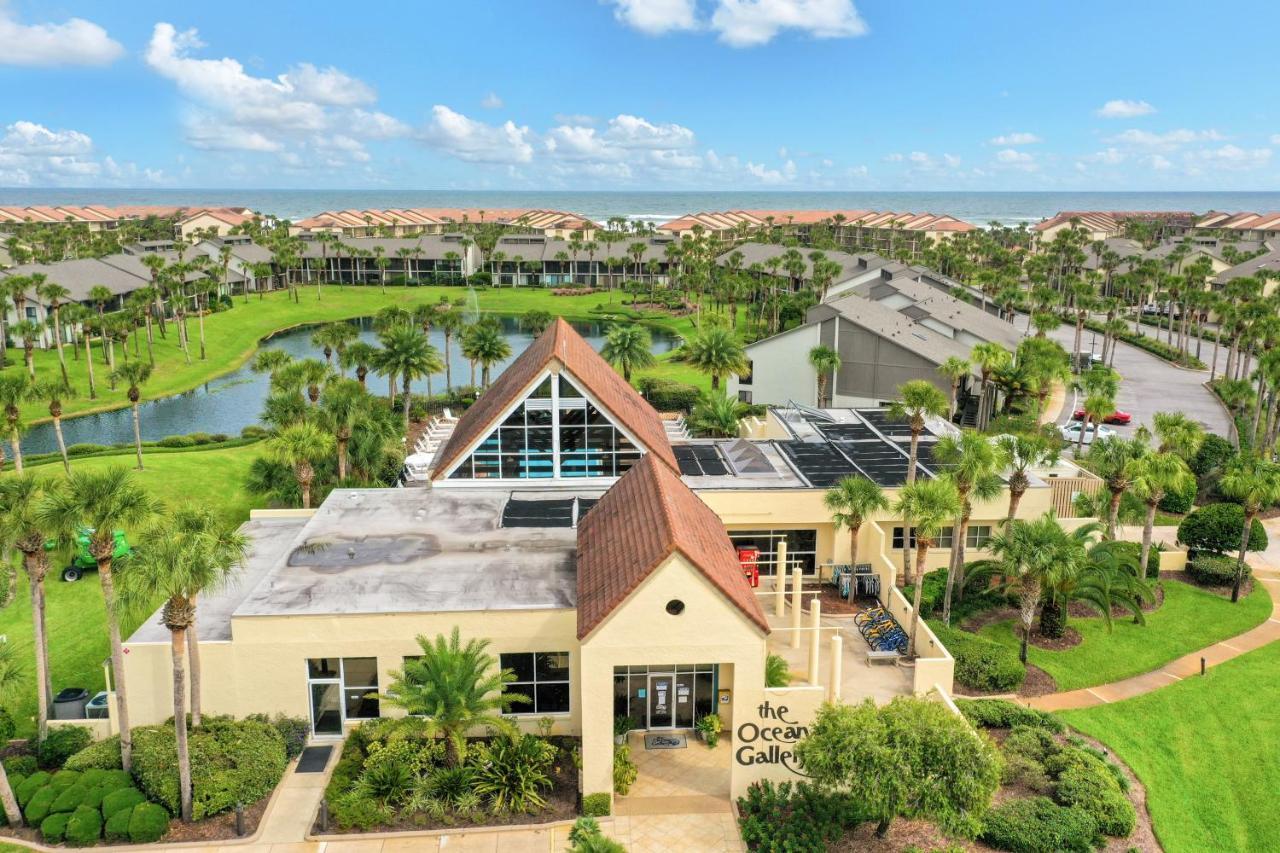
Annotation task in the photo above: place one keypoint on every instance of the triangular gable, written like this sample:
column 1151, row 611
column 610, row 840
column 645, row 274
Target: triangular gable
column 592, row 374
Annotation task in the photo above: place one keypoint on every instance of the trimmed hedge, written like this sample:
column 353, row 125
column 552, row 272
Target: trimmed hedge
column 103, row 755
column 30, row 785
column 595, row 805
column 71, row 798
column 1214, row 569
column 1039, row 825
column 54, row 827
column 60, row 744
column 1217, row 528
column 84, row 828
column 1095, row 792
column 981, row 664
column 117, row 826
column 125, row 798
column 1180, row 502
column 1003, row 714
column 667, row 395
column 148, row 823
column 41, row 805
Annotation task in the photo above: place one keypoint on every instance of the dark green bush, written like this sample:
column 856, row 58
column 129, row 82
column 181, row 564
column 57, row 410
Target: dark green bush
column 799, row 817
column 595, row 805
column 7, row 726
column 63, row 778
column 294, row 730
column 1030, row 742
column 103, row 754
column 41, row 805
column 1038, row 825
column 1179, row 501
column 124, row 798
column 254, row 431
column 1131, row 551
column 30, row 785
column 1214, row 569
column 84, row 449
column 148, row 823
column 1020, row 770
column 1095, row 792
column 176, row 441
column 54, row 827
column 667, row 395
column 231, row 762
column 1074, row 758
column 60, row 744
column 981, row 664
column 94, row 777
column 355, row 810
column 117, row 826
column 20, row 765
column 1217, row 528
column 1214, row 453
column 513, row 772
column 931, row 594
column 70, row 799
column 84, row 828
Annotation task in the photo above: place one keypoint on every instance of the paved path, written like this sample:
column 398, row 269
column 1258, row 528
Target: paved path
column 1187, row 666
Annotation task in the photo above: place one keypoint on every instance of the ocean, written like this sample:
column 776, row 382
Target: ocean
column 980, row 208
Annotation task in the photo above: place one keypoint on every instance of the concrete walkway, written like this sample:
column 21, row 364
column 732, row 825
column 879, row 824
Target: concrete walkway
column 1186, row 666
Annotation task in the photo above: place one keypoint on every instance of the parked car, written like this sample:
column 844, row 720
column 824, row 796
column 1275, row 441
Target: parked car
column 1071, row 432
column 1117, row 417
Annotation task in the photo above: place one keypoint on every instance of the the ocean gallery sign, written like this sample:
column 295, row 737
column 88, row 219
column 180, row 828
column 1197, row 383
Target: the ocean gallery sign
column 771, row 739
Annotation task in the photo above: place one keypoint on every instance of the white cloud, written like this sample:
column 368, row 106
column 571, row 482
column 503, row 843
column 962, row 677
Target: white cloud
column 1169, row 139
column 893, row 158
column 655, row 17
column 574, row 118
column 1016, row 139
column 1234, row 157
column 764, row 174
column 920, row 158
column 230, row 109
column 491, row 101
column 74, row 42
column 1275, row 139
column 1121, row 108
column 631, row 131
column 475, row 141
column 36, row 139
column 1108, row 156
column 1159, row 162
column 33, row 155
column 748, row 23
column 1012, row 156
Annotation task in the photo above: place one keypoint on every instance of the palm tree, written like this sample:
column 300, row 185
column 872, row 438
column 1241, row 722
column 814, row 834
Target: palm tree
column 359, row 355
column 334, row 338
column 135, row 374
column 955, row 369
column 628, row 348
column 100, row 296
column 1154, row 475
column 484, row 344
column 989, row 358
column 825, row 361
column 973, row 464
column 1256, row 484
column 407, row 353
column 454, row 688
column 717, row 415
column 301, row 446
column 920, row 399
column 55, row 295
column 11, row 676
column 450, row 322
column 716, row 351
column 189, row 553
column 55, row 393
column 536, row 321
column 1100, row 385
column 1111, row 459
column 1022, row 452
column 29, row 331
column 1178, row 434
column 15, row 389
column 341, row 407
column 309, row 374
column 102, row 502
column 21, row 497
column 926, row 507
column 851, row 502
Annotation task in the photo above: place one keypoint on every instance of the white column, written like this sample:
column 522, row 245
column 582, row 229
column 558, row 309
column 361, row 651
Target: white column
column 780, row 580
column 797, row 579
column 815, row 639
column 837, row 668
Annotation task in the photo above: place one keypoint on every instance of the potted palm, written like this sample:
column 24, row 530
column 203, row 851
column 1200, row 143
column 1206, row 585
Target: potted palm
column 709, row 727
column 622, row 725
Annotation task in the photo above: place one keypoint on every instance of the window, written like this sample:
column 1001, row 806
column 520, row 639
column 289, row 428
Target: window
column 944, row 539
column 745, row 377
column 543, row 677
column 358, row 678
column 977, row 536
column 802, row 547
column 555, row 432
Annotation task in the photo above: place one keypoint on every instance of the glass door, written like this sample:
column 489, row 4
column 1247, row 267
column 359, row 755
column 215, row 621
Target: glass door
column 684, row 705
column 660, row 701
column 326, row 708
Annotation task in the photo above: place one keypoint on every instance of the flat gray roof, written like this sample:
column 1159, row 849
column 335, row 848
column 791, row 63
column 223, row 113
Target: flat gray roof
column 418, row 551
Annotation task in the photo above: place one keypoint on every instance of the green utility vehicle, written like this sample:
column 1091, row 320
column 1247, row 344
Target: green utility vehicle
column 81, row 560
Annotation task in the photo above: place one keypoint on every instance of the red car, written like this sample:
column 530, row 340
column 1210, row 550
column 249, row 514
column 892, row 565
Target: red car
column 1116, row 417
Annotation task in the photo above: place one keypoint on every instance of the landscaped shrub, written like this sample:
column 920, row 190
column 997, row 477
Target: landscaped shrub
column 595, row 805
column 84, row 828
column 103, row 754
column 1217, row 528
column 667, row 395
column 799, row 817
column 1214, row 569
column 1180, row 501
column 124, row 798
column 70, row 799
column 27, row 789
column 254, row 431
column 356, row 810
column 1095, row 791
column 147, row 823
column 54, row 827
column 231, row 762
column 60, row 744
column 1214, row 453
column 981, row 664
column 117, row 826
column 513, row 772
column 777, row 672
column 85, row 449
column 1038, row 825
column 932, row 592
column 585, row 837
column 41, row 805
column 8, row 728
column 294, row 730
column 625, row 770
column 20, row 765
column 1030, row 742
column 1020, row 770
column 176, row 441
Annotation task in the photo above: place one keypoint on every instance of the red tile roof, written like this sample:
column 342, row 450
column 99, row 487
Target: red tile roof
column 561, row 343
column 646, row 517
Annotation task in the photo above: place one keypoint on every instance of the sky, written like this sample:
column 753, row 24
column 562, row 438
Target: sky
column 640, row 94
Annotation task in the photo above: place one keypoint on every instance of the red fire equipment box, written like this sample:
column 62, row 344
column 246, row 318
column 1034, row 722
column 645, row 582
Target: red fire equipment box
column 749, row 559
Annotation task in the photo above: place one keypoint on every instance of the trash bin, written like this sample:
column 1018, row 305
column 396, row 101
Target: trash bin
column 97, row 707
column 70, row 703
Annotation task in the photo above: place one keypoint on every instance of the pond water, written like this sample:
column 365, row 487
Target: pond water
column 230, row 403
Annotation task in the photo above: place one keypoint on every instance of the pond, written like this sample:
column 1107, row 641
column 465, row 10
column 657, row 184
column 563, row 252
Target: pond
column 230, row 403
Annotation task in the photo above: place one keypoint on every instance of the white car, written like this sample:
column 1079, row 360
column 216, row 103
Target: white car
column 1071, row 432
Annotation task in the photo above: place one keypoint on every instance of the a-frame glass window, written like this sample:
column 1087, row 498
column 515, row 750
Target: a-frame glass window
column 554, row 432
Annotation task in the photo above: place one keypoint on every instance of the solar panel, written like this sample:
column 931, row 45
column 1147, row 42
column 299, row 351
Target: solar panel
column 847, row 432
column 881, row 462
column 699, row 460
column 821, row 464
column 890, row 426
column 538, row 513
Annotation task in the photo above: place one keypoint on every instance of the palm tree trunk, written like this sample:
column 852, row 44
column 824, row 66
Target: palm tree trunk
column 193, row 654
column 1015, row 498
column 57, row 342
column 1027, row 601
column 405, row 400
column 178, row 652
column 342, row 458
column 62, row 444
column 906, row 529
column 853, row 555
column 17, row 447
column 117, row 664
column 137, row 435
column 922, row 547
column 44, row 693
column 200, row 315
column 1113, row 514
column 1244, row 546
column 11, row 810
column 1146, row 536
column 88, row 357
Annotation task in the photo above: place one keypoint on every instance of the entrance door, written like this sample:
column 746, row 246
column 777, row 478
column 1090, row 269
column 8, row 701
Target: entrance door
column 684, row 711
column 326, row 708
column 660, row 701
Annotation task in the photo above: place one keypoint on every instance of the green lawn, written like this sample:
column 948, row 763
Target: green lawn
column 75, row 612
column 1189, row 619
column 1206, row 750
column 233, row 335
